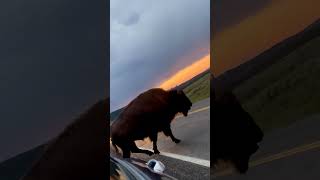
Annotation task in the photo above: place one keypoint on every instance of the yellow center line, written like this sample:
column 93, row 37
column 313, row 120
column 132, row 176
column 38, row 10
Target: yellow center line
column 274, row 157
column 287, row 153
column 195, row 111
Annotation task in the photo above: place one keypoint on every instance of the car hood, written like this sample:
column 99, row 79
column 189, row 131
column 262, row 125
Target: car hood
column 140, row 170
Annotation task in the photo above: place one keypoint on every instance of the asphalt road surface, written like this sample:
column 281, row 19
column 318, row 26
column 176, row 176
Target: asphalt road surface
column 193, row 131
column 190, row 159
column 289, row 153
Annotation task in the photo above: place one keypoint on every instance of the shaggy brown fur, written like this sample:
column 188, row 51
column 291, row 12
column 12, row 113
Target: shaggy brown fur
column 234, row 133
column 79, row 152
column 151, row 112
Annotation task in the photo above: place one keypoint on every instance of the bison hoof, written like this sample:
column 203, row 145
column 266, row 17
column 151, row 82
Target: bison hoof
column 176, row 141
column 149, row 153
column 156, row 151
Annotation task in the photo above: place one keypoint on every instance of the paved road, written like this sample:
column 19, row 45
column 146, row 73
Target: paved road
column 176, row 168
column 194, row 132
column 288, row 153
column 190, row 158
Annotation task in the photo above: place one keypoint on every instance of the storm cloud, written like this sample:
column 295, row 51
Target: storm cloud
column 152, row 40
column 227, row 13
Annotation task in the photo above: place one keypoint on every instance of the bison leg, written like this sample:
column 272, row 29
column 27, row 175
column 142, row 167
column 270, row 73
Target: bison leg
column 126, row 153
column 125, row 150
column 135, row 149
column 154, row 139
column 167, row 131
column 124, row 147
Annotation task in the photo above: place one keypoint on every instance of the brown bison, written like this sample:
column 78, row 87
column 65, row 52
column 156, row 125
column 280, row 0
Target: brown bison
column 79, row 152
column 149, row 113
column 234, row 133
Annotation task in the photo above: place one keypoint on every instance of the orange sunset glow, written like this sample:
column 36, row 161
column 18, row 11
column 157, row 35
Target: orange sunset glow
column 260, row 31
column 187, row 73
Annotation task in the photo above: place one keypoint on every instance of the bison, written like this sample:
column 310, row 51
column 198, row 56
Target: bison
column 149, row 113
column 234, row 133
column 78, row 152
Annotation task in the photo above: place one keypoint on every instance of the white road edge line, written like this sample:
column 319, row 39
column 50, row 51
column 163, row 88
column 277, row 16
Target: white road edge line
column 195, row 111
column 201, row 162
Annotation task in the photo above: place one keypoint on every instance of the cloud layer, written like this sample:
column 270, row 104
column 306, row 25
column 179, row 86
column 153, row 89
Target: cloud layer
column 151, row 40
column 227, row 13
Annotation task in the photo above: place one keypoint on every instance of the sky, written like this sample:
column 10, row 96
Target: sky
column 152, row 41
column 242, row 33
column 52, row 68
column 186, row 73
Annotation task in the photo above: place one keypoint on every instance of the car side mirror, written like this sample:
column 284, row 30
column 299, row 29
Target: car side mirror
column 155, row 166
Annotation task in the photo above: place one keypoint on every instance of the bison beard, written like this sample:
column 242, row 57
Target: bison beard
column 149, row 113
column 234, row 133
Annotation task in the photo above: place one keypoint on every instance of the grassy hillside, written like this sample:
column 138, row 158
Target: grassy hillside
column 234, row 77
column 115, row 114
column 199, row 90
column 192, row 80
column 286, row 91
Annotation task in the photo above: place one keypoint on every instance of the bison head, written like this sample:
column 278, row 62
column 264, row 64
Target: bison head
column 235, row 134
column 180, row 101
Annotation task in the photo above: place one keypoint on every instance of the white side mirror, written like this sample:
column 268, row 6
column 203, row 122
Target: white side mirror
column 156, row 166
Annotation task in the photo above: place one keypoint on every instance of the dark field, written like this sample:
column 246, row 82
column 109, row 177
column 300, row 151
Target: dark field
column 286, row 91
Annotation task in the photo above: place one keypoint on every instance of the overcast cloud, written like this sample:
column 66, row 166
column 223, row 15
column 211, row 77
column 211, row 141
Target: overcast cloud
column 151, row 40
column 227, row 13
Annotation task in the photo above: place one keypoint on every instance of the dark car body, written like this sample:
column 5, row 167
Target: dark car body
column 133, row 169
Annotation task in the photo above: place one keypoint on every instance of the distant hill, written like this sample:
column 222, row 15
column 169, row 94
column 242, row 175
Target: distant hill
column 14, row 168
column 115, row 114
column 286, row 91
column 281, row 85
column 192, row 80
column 197, row 88
column 232, row 78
